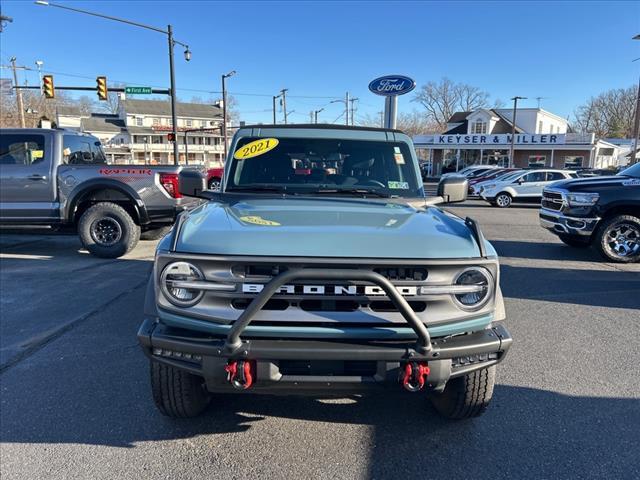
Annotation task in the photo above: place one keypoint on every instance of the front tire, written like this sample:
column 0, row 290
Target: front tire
column 574, row 241
column 503, row 200
column 467, row 396
column 106, row 230
column 176, row 393
column 618, row 239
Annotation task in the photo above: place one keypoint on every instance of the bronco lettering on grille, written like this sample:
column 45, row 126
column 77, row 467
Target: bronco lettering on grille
column 365, row 290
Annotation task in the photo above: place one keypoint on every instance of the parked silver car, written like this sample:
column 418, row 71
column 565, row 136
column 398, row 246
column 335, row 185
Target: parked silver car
column 526, row 186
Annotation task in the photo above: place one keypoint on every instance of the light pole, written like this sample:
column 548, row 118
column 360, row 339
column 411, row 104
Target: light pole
column 18, row 93
column 172, row 43
column 39, row 64
column 224, row 109
column 283, row 94
column 513, row 129
column 315, row 114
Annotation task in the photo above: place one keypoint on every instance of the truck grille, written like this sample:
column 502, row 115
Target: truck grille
column 552, row 200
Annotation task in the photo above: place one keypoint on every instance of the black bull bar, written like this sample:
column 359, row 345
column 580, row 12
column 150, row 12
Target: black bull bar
column 233, row 342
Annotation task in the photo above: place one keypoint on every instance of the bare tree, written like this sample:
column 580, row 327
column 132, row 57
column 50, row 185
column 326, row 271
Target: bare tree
column 609, row 114
column 413, row 123
column 442, row 99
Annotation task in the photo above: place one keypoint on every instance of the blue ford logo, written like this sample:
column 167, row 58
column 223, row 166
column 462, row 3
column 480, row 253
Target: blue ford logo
column 392, row 85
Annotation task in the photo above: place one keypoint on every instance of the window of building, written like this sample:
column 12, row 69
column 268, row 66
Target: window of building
column 156, row 121
column 479, row 126
column 573, row 161
column 189, row 122
column 138, row 121
column 540, row 126
column 203, row 123
column 537, row 160
column 19, row 149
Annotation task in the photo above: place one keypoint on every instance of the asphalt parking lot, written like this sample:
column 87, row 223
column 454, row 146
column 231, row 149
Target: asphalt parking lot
column 75, row 398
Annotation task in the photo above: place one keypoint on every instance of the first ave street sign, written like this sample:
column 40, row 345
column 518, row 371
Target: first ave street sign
column 137, row 90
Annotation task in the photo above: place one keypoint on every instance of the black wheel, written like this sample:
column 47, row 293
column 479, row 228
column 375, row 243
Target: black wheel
column 214, row 184
column 177, row 393
column 155, row 234
column 503, row 200
column 618, row 238
column 467, row 396
column 108, row 231
column 574, row 240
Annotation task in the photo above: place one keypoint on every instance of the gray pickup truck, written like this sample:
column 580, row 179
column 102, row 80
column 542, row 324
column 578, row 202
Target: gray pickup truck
column 60, row 179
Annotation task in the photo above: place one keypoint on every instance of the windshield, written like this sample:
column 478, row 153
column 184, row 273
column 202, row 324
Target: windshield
column 632, row 171
column 324, row 165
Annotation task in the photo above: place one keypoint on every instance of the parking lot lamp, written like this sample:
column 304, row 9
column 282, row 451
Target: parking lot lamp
column 513, row 129
column 172, row 43
column 224, row 110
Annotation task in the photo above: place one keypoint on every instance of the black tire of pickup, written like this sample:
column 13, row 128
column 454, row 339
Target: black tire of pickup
column 609, row 229
column 121, row 237
column 154, row 234
column 176, row 393
column 574, row 240
column 467, row 396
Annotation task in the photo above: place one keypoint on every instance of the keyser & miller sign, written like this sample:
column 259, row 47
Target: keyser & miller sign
column 501, row 139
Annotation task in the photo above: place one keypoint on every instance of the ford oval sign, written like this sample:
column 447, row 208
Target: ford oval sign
column 392, row 85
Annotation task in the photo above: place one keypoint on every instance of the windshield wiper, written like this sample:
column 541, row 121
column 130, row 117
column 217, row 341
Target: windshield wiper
column 361, row 191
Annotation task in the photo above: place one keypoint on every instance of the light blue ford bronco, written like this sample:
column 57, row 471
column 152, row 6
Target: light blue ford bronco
column 321, row 267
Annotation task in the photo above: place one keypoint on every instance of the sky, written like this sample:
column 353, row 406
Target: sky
column 564, row 52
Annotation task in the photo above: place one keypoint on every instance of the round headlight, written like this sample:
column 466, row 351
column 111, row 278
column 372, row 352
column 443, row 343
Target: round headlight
column 480, row 282
column 174, row 280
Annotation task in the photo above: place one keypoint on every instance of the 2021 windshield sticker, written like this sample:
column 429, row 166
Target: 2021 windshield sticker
column 256, row 148
column 398, row 185
column 257, row 220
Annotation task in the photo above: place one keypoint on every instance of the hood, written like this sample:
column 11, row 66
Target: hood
column 589, row 183
column 325, row 227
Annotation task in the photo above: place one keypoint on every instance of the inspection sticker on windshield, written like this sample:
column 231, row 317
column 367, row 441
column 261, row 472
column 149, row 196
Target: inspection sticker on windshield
column 634, row 182
column 397, row 155
column 398, row 185
column 259, row 221
column 256, row 148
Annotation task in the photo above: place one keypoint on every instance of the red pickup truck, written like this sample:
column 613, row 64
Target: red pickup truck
column 214, row 178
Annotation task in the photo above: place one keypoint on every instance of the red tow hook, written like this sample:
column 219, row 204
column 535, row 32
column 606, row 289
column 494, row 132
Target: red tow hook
column 414, row 376
column 241, row 373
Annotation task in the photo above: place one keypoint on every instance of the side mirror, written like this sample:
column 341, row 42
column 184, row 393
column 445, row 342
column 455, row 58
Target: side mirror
column 453, row 189
column 192, row 183
column 520, row 181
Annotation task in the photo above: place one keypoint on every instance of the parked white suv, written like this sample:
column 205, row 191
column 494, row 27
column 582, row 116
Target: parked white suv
column 527, row 186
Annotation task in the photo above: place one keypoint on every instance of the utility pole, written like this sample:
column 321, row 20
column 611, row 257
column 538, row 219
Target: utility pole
column 275, row 97
column 316, row 114
column 636, row 127
column 18, row 92
column 283, row 93
column 513, row 129
column 346, row 108
column 353, row 100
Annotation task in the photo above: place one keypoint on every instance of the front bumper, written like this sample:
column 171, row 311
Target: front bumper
column 309, row 366
column 559, row 223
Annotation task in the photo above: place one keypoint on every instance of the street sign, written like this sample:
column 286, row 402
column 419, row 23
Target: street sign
column 137, row 90
column 6, row 86
column 392, row 85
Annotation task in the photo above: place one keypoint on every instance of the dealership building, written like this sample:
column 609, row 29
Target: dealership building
column 484, row 136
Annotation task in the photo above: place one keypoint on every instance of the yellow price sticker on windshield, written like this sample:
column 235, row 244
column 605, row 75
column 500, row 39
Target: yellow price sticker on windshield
column 259, row 221
column 37, row 154
column 256, row 148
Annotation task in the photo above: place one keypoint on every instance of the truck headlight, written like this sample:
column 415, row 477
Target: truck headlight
column 582, row 199
column 479, row 283
column 174, row 280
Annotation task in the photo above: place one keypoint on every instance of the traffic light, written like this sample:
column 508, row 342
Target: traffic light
column 171, row 137
column 101, row 85
column 47, row 86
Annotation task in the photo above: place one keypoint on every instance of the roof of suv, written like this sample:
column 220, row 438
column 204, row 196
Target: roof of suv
column 321, row 126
